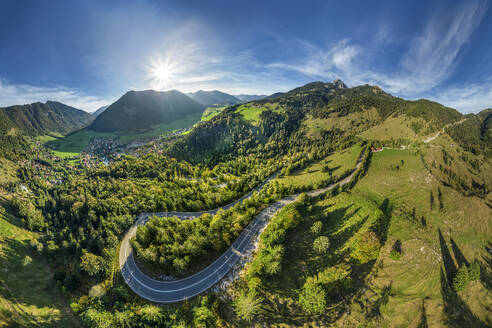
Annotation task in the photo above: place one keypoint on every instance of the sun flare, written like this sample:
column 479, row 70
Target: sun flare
column 161, row 74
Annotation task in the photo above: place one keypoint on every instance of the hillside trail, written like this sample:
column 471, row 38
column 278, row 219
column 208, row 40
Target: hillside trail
column 431, row 138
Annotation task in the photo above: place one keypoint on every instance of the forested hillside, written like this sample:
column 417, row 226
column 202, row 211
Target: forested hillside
column 39, row 119
column 317, row 112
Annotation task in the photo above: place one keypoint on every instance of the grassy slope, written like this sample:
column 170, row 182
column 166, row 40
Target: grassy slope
column 392, row 127
column 338, row 162
column 249, row 112
column 346, row 123
column 211, row 112
column 75, row 142
column 394, row 292
column 415, row 278
column 456, row 162
column 252, row 113
column 185, row 122
column 28, row 296
column 8, row 171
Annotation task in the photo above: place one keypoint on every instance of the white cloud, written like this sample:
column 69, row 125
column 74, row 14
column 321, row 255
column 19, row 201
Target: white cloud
column 321, row 63
column 428, row 62
column 432, row 56
column 467, row 98
column 18, row 94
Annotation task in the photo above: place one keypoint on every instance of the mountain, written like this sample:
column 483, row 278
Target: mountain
column 140, row 110
column 214, row 97
column 99, row 111
column 248, row 98
column 39, row 119
column 317, row 112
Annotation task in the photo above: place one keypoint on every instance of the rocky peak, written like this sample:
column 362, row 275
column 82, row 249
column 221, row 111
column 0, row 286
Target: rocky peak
column 338, row 84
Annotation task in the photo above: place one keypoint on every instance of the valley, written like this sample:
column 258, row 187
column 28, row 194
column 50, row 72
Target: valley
column 321, row 206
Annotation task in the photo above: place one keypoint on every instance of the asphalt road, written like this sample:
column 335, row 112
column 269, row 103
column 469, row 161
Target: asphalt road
column 159, row 291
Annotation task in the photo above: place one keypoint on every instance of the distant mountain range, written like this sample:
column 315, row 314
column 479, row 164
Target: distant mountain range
column 135, row 111
column 247, row 98
column 215, row 97
column 40, row 119
column 139, row 110
column 99, row 111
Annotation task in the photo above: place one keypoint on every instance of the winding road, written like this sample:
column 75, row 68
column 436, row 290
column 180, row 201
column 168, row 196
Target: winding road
column 159, row 291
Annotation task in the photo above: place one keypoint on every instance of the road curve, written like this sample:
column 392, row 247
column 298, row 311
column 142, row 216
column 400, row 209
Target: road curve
column 179, row 290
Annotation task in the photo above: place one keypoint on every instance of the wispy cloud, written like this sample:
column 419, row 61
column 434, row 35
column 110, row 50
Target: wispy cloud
column 15, row 94
column 321, row 63
column 429, row 60
column 467, row 98
column 432, row 56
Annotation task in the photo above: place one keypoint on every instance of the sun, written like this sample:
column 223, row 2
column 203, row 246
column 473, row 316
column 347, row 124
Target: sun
column 161, row 74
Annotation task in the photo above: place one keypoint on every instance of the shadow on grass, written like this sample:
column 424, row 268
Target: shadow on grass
column 423, row 317
column 374, row 311
column 24, row 282
column 343, row 236
column 8, row 216
column 299, row 259
column 456, row 311
column 449, row 266
column 458, row 255
column 333, row 169
column 486, row 268
column 381, row 227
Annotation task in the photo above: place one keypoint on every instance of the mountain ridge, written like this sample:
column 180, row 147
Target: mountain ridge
column 42, row 118
column 139, row 110
column 213, row 97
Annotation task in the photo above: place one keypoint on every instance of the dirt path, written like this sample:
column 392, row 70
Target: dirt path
column 431, row 138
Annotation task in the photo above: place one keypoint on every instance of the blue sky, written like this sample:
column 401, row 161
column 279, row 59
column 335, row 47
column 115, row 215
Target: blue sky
column 88, row 53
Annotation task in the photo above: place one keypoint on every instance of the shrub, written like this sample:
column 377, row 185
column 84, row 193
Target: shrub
column 91, row 263
column 335, row 279
column 474, row 271
column 312, row 298
column 395, row 253
column 27, row 260
column 321, row 244
column 366, row 248
column 316, row 227
column 248, row 305
column 461, row 279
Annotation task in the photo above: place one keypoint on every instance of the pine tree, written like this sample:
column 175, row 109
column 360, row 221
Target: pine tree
column 474, row 271
column 460, row 281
